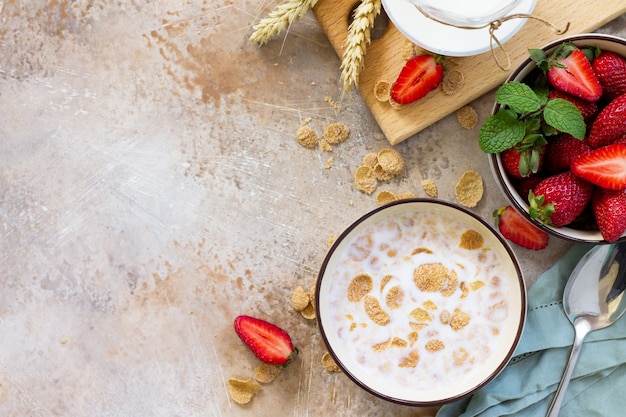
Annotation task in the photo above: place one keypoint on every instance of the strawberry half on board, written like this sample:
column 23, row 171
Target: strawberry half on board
column 519, row 230
column 604, row 167
column 269, row 343
column 419, row 76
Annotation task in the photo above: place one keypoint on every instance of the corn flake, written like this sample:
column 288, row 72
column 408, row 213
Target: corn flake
column 382, row 90
column 329, row 363
column 300, row 299
column 265, row 373
column 430, row 188
column 242, row 391
column 306, row 136
column 467, row 117
column 469, row 189
column 365, row 179
column 391, row 161
column 336, row 132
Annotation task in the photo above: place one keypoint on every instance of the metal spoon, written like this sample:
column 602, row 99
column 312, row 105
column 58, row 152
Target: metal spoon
column 593, row 299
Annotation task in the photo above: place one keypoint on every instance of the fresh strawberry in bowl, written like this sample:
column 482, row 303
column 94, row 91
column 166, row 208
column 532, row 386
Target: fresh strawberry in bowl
column 570, row 95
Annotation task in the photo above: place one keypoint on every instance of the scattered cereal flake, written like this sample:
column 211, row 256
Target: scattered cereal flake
column 408, row 50
column 359, row 287
column 469, row 189
column 382, row 90
column 445, row 317
column 431, row 277
column 370, row 159
column 265, row 373
column 384, row 281
column 471, row 240
column 417, row 251
column 398, row 342
column 242, row 391
column 404, row 195
column 410, row 361
column 329, row 363
column 365, row 179
column 325, row 146
column 309, row 312
column 476, row 285
column 464, row 289
column 381, row 174
column 63, row 341
column 460, row 356
column 429, row 305
column 430, row 188
column 385, row 197
column 467, row 117
column 331, row 240
column 394, row 104
column 300, row 299
column 307, row 136
column 394, row 298
column 336, row 132
column 434, row 345
column 453, row 80
column 453, row 281
column 413, row 336
column 329, row 162
column 379, row 347
column 375, row 312
column 420, row 315
column 459, row 320
column 391, row 161
column 418, row 326
column 332, row 103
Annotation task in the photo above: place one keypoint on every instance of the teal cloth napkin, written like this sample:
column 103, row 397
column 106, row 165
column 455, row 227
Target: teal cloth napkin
column 527, row 385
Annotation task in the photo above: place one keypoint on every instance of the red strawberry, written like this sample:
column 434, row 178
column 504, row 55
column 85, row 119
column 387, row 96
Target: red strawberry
column 519, row 230
column 269, row 343
column 588, row 109
column 610, row 68
column 560, row 199
column 523, row 160
column 569, row 71
column 561, row 151
column 609, row 209
column 418, row 77
column 525, row 185
column 604, row 167
column 610, row 124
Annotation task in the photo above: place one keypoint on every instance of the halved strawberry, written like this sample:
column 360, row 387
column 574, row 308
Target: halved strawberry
column 560, row 199
column 568, row 69
column 419, row 76
column 610, row 68
column 604, row 167
column 609, row 209
column 610, row 124
column 269, row 343
column 519, row 230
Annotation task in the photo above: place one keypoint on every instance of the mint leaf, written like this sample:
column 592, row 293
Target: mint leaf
column 565, row 117
column 519, row 97
column 501, row 131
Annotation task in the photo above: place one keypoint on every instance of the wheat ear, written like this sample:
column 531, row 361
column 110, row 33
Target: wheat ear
column 280, row 18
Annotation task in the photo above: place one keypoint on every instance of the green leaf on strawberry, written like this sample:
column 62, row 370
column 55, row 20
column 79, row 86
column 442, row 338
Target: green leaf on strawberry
column 501, row 131
column 565, row 117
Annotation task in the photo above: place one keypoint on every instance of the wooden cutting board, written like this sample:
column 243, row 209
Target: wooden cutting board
column 384, row 58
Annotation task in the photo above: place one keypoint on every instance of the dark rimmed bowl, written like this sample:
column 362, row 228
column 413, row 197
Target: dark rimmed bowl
column 401, row 222
column 572, row 233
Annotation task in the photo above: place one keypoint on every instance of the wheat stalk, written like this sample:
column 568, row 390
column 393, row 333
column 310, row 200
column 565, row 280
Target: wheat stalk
column 356, row 42
column 280, row 19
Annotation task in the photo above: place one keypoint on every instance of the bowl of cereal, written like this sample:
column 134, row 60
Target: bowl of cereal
column 421, row 302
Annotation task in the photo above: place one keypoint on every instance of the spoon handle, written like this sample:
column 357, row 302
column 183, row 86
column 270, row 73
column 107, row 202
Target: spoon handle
column 581, row 328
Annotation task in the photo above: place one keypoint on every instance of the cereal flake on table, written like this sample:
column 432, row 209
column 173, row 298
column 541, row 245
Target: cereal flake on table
column 469, row 190
column 365, row 179
column 242, row 391
column 329, row 163
column 467, row 117
column 329, row 363
column 306, row 136
column 336, row 133
column 265, row 373
column 382, row 166
column 430, row 188
column 300, row 299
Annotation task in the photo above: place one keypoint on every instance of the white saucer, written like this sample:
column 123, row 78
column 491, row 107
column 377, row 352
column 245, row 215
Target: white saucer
column 448, row 40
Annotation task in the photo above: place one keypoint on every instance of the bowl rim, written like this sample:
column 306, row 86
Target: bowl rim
column 520, row 281
column 495, row 160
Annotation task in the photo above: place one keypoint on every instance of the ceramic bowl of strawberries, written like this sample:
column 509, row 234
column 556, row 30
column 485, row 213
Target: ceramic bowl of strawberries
column 556, row 138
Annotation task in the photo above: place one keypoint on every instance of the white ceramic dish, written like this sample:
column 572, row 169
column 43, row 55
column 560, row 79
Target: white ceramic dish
column 331, row 318
column 449, row 40
column 604, row 42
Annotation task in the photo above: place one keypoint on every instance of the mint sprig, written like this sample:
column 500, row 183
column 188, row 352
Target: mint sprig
column 525, row 112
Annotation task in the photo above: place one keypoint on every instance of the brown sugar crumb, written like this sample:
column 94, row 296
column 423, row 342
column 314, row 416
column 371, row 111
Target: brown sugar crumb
column 359, row 287
column 365, row 179
column 300, row 299
column 329, row 163
column 430, row 277
column 420, row 315
column 325, row 146
column 476, row 285
column 391, row 161
column 445, row 317
column 329, row 363
column 453, row 281
column 307, row 137
column 459, row 356
column 382, row 90
column 469, row 189
column 370, row 159
column 242, row 391
column 459, row 320
column 410, row 361
column 413, row 336
column 394, row 298
column 471, row 240
column 467, row 117
column 434, row 345
column 336, row 132
column 430, row 188
column 265, row 373
column 421, row 250
column 453, row 80
column 375, row 312
column 429, row 305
